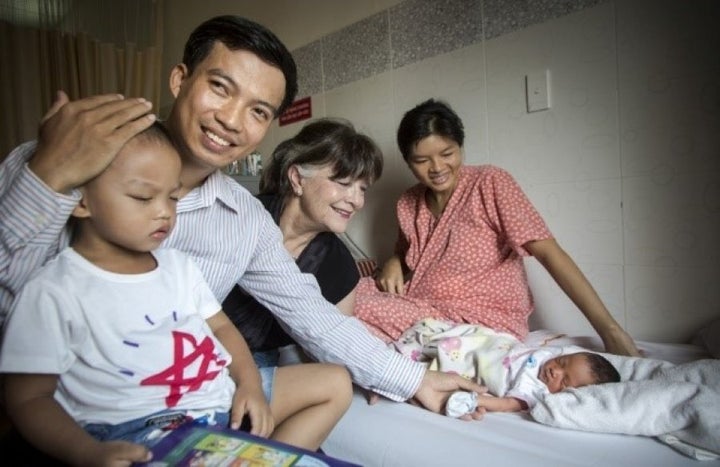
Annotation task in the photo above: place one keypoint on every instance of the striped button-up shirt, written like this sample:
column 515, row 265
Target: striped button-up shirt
column 233, row 239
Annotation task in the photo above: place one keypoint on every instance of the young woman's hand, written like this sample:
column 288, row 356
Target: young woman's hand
column 619, row 342
column 391, row 278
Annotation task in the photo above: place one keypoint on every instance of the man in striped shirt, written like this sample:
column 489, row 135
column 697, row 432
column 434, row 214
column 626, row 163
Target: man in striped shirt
column 235, row 79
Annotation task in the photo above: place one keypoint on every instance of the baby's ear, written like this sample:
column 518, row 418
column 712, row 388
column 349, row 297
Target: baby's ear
column 81, row 210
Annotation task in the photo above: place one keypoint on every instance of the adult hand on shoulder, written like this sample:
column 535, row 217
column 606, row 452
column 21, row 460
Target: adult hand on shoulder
column 78, row 140
column 619, row 342
column 391, row 277
column 436, row 388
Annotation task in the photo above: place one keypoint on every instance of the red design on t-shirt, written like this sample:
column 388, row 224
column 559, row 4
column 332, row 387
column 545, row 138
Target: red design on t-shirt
column 174, row 375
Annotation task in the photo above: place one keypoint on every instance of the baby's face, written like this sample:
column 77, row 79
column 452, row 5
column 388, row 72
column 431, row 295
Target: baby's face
column 566, row 371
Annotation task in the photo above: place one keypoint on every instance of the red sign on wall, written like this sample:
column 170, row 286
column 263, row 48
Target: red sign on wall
column 301, row 109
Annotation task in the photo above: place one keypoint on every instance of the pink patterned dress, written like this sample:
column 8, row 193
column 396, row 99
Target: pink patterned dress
column 466, row 266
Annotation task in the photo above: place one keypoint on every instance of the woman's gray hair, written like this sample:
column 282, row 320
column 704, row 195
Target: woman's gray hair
column 326, row 141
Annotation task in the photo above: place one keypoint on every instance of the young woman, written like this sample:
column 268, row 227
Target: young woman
column 464, row 231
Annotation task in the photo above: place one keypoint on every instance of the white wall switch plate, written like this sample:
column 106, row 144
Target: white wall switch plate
column 537, row 87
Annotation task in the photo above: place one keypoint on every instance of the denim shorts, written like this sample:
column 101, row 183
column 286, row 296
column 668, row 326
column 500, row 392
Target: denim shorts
column 283, row 356
column 149, row 430
column 266, row 358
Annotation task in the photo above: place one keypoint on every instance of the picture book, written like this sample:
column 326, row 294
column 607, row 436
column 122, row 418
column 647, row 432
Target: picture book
column 212, row 446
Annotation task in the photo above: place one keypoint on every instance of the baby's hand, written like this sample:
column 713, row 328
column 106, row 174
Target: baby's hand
column 461, row 404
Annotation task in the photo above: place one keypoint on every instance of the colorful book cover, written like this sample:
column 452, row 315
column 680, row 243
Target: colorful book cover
column 213, row 446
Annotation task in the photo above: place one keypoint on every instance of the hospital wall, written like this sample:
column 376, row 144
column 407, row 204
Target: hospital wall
column 624, row 165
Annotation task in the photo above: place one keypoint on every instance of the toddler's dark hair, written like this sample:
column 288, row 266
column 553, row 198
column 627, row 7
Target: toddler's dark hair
column 156, row 133
column 602, row 369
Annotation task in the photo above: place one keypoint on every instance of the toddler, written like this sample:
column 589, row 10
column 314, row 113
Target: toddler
column 114, row 341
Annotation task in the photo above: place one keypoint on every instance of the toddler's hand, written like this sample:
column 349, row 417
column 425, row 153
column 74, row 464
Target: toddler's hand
column 116, row 454
column 253, row 404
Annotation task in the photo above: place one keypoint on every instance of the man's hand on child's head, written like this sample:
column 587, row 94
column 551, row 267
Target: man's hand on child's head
column 78, row 139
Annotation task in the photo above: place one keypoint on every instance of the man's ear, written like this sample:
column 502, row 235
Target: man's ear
column 81, row 210
column 177, row 77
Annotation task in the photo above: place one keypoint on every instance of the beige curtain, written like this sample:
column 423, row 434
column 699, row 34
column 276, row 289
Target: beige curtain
column 84, row 47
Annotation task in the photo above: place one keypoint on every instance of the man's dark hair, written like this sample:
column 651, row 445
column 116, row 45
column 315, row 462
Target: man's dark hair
column 238, row 33
column 602, row 369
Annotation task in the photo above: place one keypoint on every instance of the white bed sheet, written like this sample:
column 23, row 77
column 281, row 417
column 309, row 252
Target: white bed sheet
column 398, row 434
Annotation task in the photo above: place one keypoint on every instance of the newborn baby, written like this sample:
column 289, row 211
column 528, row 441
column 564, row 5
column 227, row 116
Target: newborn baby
column 572, row 370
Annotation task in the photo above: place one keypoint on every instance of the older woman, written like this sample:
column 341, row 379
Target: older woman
column 314, row 185
column 463, row 233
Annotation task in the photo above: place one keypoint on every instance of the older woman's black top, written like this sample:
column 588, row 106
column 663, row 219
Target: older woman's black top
column 326, row 257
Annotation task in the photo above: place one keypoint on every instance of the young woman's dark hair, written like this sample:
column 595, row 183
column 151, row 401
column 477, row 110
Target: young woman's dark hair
column 238, row 33
column 428, row 118
column 324, row 142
